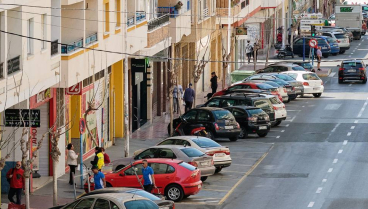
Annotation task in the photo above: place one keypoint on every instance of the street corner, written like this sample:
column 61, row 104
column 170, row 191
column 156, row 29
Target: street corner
column 324, row 72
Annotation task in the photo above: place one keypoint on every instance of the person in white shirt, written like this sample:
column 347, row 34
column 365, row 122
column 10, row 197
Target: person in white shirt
column 319, row 57
column 72, row 162
column 249, row 50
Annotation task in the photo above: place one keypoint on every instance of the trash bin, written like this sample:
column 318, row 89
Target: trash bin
column 239, row 75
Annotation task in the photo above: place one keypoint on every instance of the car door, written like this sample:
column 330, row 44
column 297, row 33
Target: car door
column 240, row 116
column 165, row 153
column 148, row 153
column 298, row 46
column 163, row 174
column 128, row 178
column 190, row 117
column 268, row 69
column 205, row 118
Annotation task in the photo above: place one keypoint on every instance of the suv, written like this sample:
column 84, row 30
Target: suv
column 298, row 46
column 252, row 120
column 342, row 40
column 280, row 67
column 240, row 99
column 352, row 70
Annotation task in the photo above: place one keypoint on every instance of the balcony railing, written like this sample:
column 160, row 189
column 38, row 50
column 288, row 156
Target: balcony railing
column 67, row 48
column 91, row 39
column 140, row 16
column 206, row 13
column 157, row 22
column 1, row 70
column 130, row 21
column 168, row 10
column 14, row 65
column 54, row 47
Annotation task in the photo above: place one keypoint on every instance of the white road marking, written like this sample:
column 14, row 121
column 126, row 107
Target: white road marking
column 282, row 131
column 330, row 170
column 324, row 180
column 335, row 161
column 334, row 129
column 360, row 115
column 352, row 127
column 303, row 106
column 349, row 134
column 287, row 125
column 277, row 137
column 319, row 190
column 331, row 75
column 291, row 120
column 310, row 205
column 345, row 142
column 365, row 104
column 349, row 55
column 363, row 109
column 332, row 106
column 340, row 151
column 350, row 84
column 356, row 121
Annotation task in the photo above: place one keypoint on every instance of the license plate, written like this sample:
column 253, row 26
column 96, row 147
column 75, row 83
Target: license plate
column 229, row 127
column 263, row 128
column 199, row 186
column 324, row 47
column 351, row 71
column 204, row 163
column 317, row 88
column 219, row 154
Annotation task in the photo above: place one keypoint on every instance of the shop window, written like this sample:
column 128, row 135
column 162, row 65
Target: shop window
column 87, row 81
column 60, row 109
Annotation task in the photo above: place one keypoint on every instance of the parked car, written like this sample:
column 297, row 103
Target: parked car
column 280, row 67
column 238, row 99
column 252, row 120
column 335, row 49
column 161, row 202
column 342, row 40
column 113, row 200
column 352, row 70
column 174, row 178
column 282, row 92
column 298, row 46
column 248, row 85
column 189, row 155
column 347, row 33
column 306, row 65
column 280, row 109
column 311, row 82
column 221, row 154
column 218, row 122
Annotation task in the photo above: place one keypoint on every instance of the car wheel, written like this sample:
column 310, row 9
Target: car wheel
column 243, row 133
column 233, row 139
column 302, row 95
column 204, row 178
column 210, row 135
column 262, row 134
column 108, row 184
column 317, row 95
column 365, row 80
column 174, row 192
column 342, row 52
column 277, row 123
column 119, row 167
column 218, row 169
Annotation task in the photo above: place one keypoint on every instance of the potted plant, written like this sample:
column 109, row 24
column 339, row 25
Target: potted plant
column 178, row 5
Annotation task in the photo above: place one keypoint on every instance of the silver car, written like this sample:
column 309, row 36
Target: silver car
column 342, row 40
column 280, row 67
column 189, row 155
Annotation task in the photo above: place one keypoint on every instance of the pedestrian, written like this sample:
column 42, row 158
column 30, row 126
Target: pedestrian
column 279, row 38
column 177, row 92
column 16, row 179
column 255, row 50
column 149, row 180
column 290, row 31
column 106, row 157
column 249, row 50
column 72, row 162
column 98, row 161
column 319, row 57
column 188, row 97
column 99, row 178
column 213, row 82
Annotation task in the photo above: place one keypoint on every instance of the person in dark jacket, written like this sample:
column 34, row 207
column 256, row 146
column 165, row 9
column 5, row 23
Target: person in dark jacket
column 213, row 82
column 99, row 158
column 16, row 183
column 188, row 97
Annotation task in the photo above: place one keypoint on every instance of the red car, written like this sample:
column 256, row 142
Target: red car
column 174, row 178
column 250, row 85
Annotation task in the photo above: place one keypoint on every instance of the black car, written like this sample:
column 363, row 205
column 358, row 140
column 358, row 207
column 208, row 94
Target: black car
column 306, row 65
column 217, row 121
column 352, row 70
column 238, row 99
column 252, row 120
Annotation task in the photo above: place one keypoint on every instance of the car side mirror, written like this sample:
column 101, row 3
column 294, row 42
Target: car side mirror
column 121, row 174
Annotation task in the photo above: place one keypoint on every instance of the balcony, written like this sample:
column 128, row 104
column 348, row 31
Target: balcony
column 223, row 11
column 158, row 22
column 54, row 47
column 68, row 48
column 240, row 10
column 14, row 65
column 168, row 10
column 139, row 17
column 91, row 39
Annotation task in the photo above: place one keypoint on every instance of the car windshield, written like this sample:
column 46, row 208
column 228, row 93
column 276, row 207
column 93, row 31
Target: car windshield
column 143, row 194
column 280, row 82
column 223, row 115
column 263, row 104
column 255, row 112
column 340, row 36
column 274, row 100
column 298, row 68
column 264, row 86
column 353, row 64
column 285, row 77
column 293, row 75
column 192, row 152
column 310, row 76
column 187, row 166
column 331, row 40
column 205, row 142
column 271, row 83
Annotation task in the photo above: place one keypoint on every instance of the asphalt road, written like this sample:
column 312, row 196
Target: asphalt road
column 319, row 154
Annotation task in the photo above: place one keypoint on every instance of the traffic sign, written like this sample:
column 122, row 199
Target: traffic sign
column 82, row 125
column 311, row 22
column 305, row 27
column 75, row 89
column 311, row 15
column 313, row 43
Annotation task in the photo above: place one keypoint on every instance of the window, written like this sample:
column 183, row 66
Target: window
column 298, row 68
column 238, row 113
column 107, row 17
column 213, row 6
column 223, row 115
column 310, row 76
column 200, row 10
column 300, row 41
column 30, row 25
column 101, row 204
column 182, row 142
column 137, row 204
column 247, row 2
column 205, row 142
column 257, row 111
column 130, row 171
column 192, row 152
column 228, row 102
column 213, row 103
column 86, row 203
column 166, row 153
column 148, row 153
column 268, row 70
column 263, row 104
column 167, row 142
column 340, row 36
column 235, row 87
column 293, row 75
column 160, row 168
column 44, row 30
column 143, row 194
column 245, row 102
column 190, row 116
column 118, row 14
column 203, row 116
column 113, row 206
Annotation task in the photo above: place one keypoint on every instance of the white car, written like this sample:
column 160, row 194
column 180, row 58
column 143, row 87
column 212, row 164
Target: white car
column 221, row 154
column 279, row 108
column 342, row 40
column 311, row 82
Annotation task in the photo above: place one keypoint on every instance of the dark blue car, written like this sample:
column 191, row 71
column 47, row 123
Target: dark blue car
column 335, row 49
column 298, row 46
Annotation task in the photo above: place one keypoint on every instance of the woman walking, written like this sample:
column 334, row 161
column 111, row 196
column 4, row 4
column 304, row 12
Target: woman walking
column 72, row 162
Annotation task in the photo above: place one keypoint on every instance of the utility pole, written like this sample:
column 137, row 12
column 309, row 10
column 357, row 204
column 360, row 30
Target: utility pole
column 290, row 12
column 126, row 78
column 228, row 41
column 284, row 24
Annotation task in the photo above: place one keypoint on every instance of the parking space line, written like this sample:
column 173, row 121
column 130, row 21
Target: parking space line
column 356, row 121
column 340, row 151
column 330, row 170
column 319, row 190
column 245, row 176
column 277, row 137
column 349, row 134
column 352, row 127
column 335, row 161
column 324, row 180
column 345, row 142
column 215, row 190
column 310, row 205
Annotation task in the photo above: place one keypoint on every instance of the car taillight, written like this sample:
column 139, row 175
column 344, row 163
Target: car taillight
column 252, row 119
column 293, row 88
column 275, row 108
column 322, row 83
column 194, row 173
column 305, row 83
column 193, row 164
column 338, row 41
column 340, row 69
column 283, row 106
column 217, row 127
column 285, row 90
column 277, row 51
column 209, row 153
column 212, row 163
column 237, row 125
column 227, row 152
column 361, row 68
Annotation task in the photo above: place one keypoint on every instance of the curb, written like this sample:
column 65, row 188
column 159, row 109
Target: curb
column 322, row 74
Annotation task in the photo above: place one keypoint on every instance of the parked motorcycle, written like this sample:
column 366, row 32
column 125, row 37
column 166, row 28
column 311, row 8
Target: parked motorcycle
column 283, row 52
column 185, row 128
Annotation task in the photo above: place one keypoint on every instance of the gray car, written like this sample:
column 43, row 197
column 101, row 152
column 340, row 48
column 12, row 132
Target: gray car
column 280, row 67
column 189, row 155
